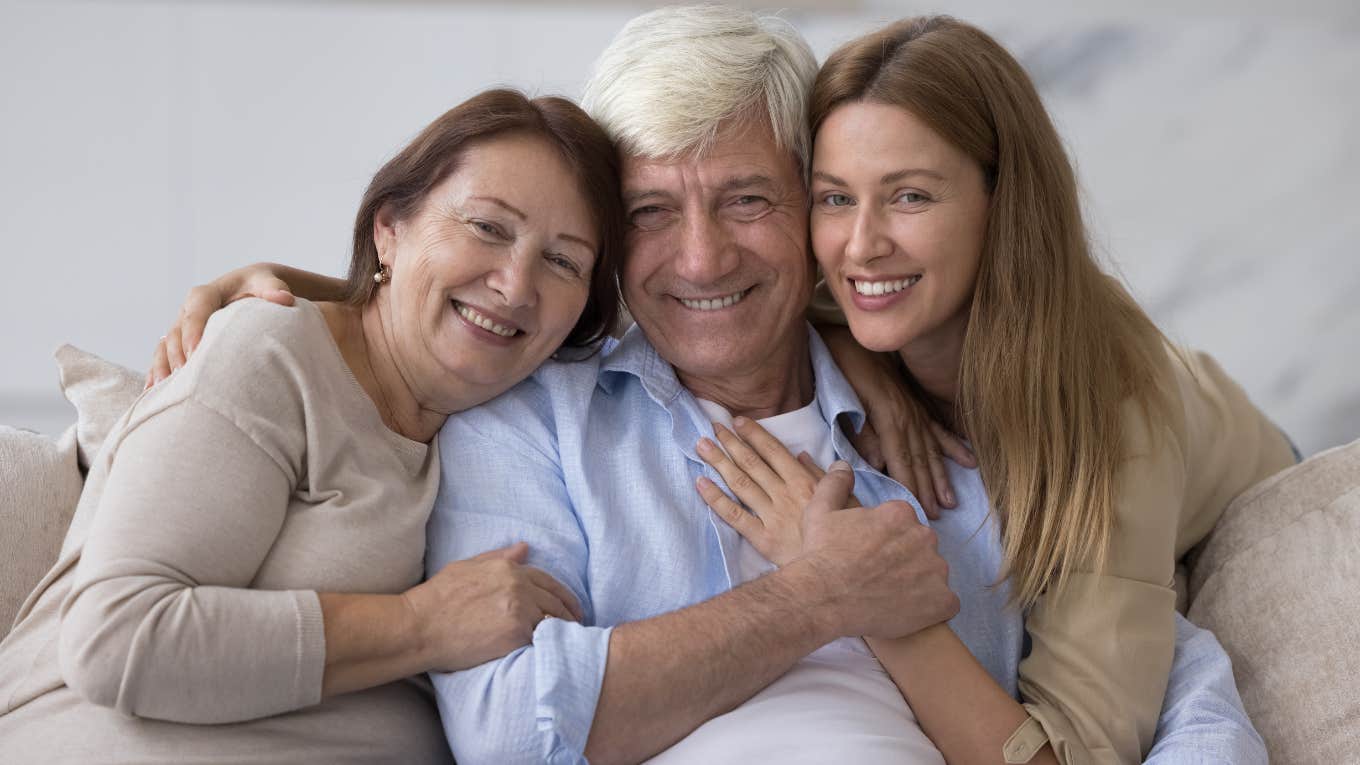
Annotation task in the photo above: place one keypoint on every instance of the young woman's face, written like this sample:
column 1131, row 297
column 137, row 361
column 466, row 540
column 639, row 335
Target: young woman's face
column 898, row 220
column 493, row 271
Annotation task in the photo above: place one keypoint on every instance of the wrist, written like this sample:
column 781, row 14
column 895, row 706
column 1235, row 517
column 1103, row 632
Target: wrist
column 809, row 586
column 414, row 630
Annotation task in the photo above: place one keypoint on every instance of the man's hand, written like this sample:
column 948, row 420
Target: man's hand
column 877, row 570
column 173, row 350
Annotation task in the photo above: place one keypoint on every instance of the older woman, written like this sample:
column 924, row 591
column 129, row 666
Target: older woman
column 946, row 222
column 242, row 580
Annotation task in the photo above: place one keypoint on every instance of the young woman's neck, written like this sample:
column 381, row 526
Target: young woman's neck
column 935, row 361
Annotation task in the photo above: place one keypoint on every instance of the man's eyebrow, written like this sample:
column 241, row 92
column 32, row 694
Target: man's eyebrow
column 518, row 213
column 631, row 197
column 745, row 182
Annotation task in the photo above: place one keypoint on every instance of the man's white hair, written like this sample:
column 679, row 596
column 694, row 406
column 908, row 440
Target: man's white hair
column 672, row 77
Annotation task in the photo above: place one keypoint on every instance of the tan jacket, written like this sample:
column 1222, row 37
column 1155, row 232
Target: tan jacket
column 1101, row 650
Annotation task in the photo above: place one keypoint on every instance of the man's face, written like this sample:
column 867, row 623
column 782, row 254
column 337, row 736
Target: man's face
column 717, row 272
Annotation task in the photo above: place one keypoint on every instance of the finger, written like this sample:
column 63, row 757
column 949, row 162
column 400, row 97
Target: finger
column 771, row 450
column 746, row 489
column 745, row 523
column 551, row 605
column 174, row 351
column 747, row 458
column 806, row 460
column 953, row 446
column 279, row 296
column 833, row 491
column 900, row 469
column 939, row 477
column 201, row 302
column 920, row 466
column 517, row 552
column 160, row 366
column 869, row 446
column 558, row 591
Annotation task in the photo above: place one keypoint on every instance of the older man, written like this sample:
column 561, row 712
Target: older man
column 693, row 646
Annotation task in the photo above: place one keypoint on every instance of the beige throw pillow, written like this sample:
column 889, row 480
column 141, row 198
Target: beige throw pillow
column 101, row 392
column 39, row 487
column 1278, row 582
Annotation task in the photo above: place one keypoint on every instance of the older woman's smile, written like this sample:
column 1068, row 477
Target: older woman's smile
column 487, row 321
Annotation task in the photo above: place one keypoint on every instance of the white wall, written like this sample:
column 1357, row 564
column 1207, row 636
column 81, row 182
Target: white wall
column 150, row 146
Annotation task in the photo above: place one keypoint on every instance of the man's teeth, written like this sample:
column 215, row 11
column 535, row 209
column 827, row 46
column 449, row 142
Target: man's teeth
column 885, row 288
column 713, row 304
column 485, row 323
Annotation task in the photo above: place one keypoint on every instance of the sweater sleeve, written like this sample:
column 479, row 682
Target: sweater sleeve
column 161, row 621
column 1101, row 650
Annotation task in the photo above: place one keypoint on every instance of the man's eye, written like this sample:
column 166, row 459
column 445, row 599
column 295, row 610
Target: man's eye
column 649, row 217
column 750, row 206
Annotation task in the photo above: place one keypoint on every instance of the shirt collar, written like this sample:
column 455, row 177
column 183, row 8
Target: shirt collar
column 634, row 355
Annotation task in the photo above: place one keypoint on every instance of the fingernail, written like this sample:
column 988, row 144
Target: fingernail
column 740, row 421
column 949, row 497
column 840, row 465
column 705, row 445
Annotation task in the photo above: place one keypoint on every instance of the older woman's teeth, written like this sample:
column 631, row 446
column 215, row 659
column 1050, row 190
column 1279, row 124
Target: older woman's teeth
column 485, row 323
column 885, row 288
column 713, row 304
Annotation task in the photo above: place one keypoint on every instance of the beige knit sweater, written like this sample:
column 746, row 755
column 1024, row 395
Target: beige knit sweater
column 181, row 622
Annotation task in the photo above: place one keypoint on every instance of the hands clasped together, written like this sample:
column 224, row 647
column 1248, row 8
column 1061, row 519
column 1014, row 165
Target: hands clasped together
column 880, row 571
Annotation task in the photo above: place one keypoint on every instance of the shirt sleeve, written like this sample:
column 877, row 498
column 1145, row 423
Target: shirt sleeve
column 504, row 484
column 1101, row 649
column 161, row 621
column 1203, row 719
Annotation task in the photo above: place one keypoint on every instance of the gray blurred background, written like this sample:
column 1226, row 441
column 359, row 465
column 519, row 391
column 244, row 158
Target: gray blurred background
column 149, row 146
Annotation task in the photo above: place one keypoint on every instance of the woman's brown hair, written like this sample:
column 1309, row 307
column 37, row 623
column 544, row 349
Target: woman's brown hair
column 1054, row 347
column 406, row 180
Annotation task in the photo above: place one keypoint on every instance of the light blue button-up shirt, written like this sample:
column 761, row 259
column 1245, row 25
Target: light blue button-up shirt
column 593, row 463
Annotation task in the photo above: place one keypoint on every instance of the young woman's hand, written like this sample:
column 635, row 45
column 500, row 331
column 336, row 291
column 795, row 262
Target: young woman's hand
column 173, row 350
column 767, row 479
column 900, row 438
column 482, row 608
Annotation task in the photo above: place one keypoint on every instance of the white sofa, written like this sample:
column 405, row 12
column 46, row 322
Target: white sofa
column 1278, row 581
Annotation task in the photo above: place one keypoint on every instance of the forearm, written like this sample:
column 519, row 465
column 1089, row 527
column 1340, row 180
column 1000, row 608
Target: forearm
column 959, row 706
column 370, row 640
column 668, row 675
column 307, row 284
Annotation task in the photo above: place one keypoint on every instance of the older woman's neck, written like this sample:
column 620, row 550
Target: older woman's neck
column 366, row 343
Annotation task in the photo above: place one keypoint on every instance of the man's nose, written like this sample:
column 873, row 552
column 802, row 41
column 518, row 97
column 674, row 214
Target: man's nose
column 707, row 252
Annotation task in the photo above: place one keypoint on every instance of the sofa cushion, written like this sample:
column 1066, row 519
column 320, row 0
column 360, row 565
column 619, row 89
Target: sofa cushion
column 1278, row 581
column 101, row 392
column 39, row 486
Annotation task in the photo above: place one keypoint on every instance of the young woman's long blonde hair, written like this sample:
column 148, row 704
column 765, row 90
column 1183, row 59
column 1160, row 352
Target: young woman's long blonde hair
column 1054, row 347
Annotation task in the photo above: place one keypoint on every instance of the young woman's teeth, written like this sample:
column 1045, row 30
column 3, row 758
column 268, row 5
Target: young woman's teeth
column 485, row 323
column 885, row 288
column 713, row 304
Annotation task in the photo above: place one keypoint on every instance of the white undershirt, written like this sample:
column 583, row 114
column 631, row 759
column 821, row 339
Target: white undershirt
column 837, row 704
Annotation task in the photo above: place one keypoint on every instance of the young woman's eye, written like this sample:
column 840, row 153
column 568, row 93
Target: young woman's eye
column 835, row 200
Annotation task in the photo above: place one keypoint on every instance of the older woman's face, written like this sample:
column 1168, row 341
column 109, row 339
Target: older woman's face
column 898, row 220
column 490, row 275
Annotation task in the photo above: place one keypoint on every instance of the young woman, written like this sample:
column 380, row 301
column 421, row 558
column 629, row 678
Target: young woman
column 946, row 222
column 242, row 579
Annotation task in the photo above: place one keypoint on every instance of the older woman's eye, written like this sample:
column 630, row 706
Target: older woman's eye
column 488, row 228
column 912, row 197
column 564, row 263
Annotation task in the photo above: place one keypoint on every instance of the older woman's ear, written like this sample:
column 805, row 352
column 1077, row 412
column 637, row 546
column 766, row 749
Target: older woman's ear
column 385, row 233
